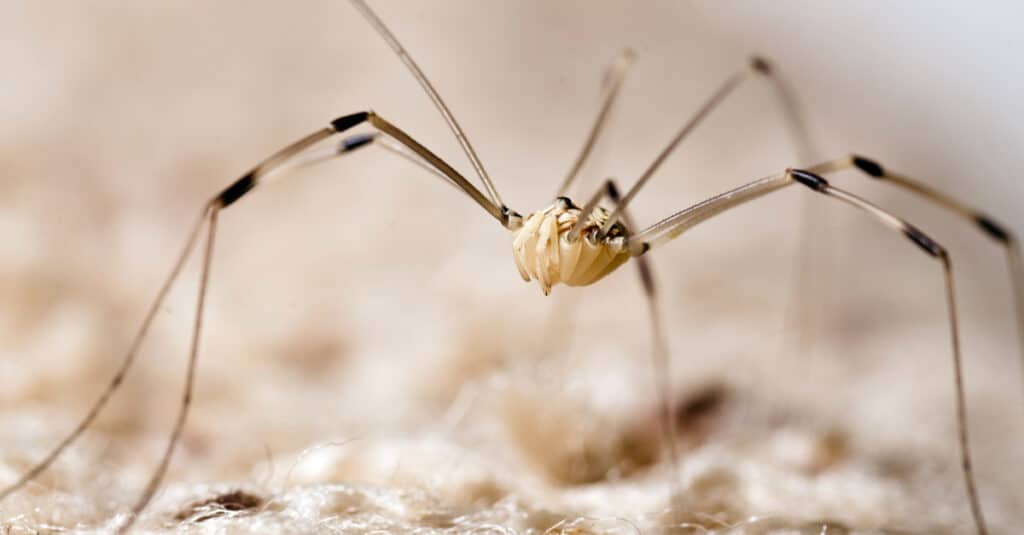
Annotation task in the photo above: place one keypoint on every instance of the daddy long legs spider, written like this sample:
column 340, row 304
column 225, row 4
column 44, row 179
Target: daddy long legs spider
column 605, row 234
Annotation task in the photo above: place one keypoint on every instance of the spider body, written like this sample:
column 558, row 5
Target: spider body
column 546, row 249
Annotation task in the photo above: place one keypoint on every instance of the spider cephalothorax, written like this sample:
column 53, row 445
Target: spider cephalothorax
column 544, row 250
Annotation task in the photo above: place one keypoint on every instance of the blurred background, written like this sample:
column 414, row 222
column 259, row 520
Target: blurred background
column 367, row 315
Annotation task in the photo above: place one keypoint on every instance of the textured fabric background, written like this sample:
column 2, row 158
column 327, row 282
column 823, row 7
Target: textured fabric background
column 371, row 360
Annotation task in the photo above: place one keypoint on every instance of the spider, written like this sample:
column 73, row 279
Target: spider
column 565, row 242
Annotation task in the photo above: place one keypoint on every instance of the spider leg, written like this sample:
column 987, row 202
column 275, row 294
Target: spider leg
column 676, row 224
column 256, row 176
column 757, row 66
column 398, row 149
column 435, row 97
column 805, row 149
column 122, row 370
column 613, row 80
column 813, row 273
column 247, row 183
column 660, row 355
column 995, row 230
column 659, row 343
column 186, row 398
column 290, row 156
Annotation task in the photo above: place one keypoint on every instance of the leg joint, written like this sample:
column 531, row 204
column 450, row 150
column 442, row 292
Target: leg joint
column 809, row 179
column 761, row 65
column 993, row 229
column 352, row 143
column 870, row 167
column 923, row 241
column 236, row 190
column 344, row 123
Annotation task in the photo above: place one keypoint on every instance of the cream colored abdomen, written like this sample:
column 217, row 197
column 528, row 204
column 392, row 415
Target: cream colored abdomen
column 542, row 251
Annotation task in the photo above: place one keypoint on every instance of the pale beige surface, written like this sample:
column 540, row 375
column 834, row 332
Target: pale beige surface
column 369, row 316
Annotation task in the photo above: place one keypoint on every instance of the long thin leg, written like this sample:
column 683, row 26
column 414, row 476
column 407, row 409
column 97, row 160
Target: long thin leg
column 259, row 174
column 660, row 356
column 616, row 75
column 394, row 147
column 659, row 343
column 662, row 364
column 757, row 65
column 232, row 194
column 499, row 211
column 1016, row 267
column 676, row 224
column 719, row 95
column 802, row 313
column 806, row 150
column 122, row 371
column 353, row 142
column 995, row 230
column 403, row 54
column 659, row 348
column 186, row 399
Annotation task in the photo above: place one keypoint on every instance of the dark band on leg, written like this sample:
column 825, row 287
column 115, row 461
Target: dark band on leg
column 354, row 142
column 676, row 224
column 808, row 179
column 236, row 190
column 344, row 123
column 612, row 191
column 646, row 277
column 923, row 241
column 868, row 166
column 993, row 229
column 761, row 65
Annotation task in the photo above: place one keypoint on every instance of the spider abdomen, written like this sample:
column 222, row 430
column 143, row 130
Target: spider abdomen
column 543, row 251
